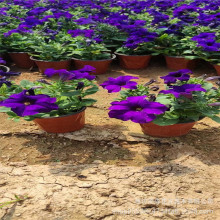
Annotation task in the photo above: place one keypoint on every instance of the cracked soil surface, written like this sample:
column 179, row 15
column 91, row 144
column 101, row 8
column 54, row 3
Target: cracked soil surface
column 109, row 170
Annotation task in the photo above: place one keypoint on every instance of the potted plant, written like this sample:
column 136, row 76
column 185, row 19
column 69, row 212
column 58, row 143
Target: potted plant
column 90, row 51
column 53, row 53
column 18, row 46
column 55, row 106
column 137, row 49
column 208, row 48
column 170, row 112
column 179, row 51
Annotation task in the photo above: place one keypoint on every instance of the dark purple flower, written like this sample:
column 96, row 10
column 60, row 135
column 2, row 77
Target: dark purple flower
column 2, row 61
column 24, row 104
column 83, row 21
column 181, row 75
column 209, row 45
column 4, row 80
column 204, row 36
column 77, row 32
column 115, row 84
column 136, row 109
column 183, row 90
column 80, row 85
column 71, row 75
column 10, row 73
column 87, row 68
column 76, row 74
column 50, row 72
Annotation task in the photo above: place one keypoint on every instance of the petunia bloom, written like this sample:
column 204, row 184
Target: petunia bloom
column 71, row 75
column 183, row 90
column 8, row 74
column 115, row 84
column 24, row 104
column 2, row 61
column 136, row 109
column 172, row 77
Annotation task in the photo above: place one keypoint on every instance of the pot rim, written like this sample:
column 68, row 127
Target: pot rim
column 32, row 58
column 19, row 52
column 112, row 58
column 7, row 68
column 178, row 57
column 62, row 116
column 132, row 55
column 201, row 118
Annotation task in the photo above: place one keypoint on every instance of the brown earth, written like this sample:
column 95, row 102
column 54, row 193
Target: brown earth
column 109, row 170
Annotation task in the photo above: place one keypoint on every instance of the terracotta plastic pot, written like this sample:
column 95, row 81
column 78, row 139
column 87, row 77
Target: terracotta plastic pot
column 63, row 124
column 57, row 65
column 178, row 63
column 4, row 68
column 168, row 130
column 100, row 65
column 22, row 60
column 217, row 67
column 133, row 62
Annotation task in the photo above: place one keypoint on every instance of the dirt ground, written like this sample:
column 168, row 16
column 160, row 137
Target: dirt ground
column 109, row 170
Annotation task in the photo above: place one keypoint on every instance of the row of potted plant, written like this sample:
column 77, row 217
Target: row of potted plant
column 183, row 32
column 58, row 106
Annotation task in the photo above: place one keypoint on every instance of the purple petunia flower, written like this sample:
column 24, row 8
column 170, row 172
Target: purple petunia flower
column 71, row 75
column 136, row 109
column 115, row 84
column 183, row 90
column 8, row 74
column 24, row 104
column 204, row 36
column 2, row 61
column 77, row 32
column 181, row 75
column 209, row 45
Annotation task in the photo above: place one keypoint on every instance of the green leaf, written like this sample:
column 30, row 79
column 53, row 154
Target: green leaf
column 26, row 84
column 5, row 109
column 91, row 90
column 215, row 118
column 164, row 99
column 69, row 94
column 162, row 121
column 88, row 102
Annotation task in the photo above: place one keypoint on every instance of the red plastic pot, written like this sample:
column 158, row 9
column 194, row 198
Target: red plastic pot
column 217, row 68
column 168, row 130
column 22, row 60
column 133, row 62
column 57, row 65
column 178, row 63
column 100, row 65
column 62, row 124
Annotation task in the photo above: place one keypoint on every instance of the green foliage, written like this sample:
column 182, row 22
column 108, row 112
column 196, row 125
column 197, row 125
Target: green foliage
column 58, row 49
column 140, row 91
column 68, row 98
column 87, row 49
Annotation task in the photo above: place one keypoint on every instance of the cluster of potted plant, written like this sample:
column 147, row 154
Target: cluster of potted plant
column 168, row 112
column 56, row 106
column 95, row 30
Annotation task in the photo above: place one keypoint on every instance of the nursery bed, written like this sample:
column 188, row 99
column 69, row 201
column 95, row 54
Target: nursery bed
column 110, row 167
